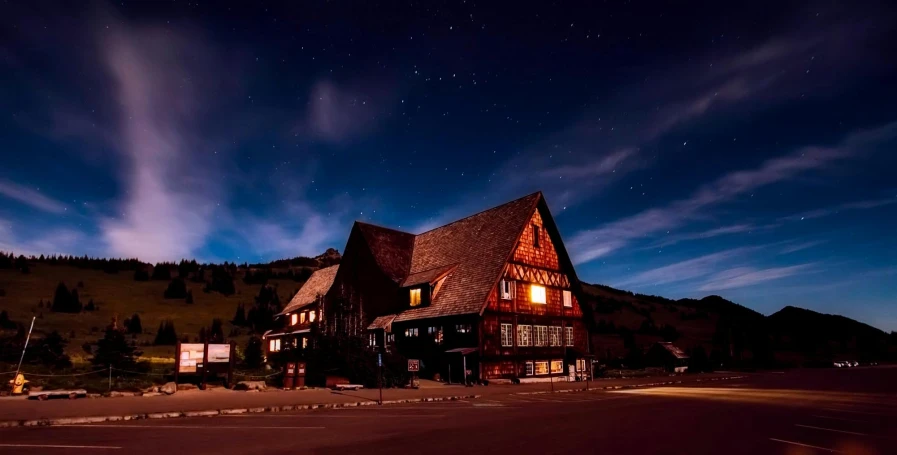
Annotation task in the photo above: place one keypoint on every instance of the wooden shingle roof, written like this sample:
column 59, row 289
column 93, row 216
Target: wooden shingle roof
column 478, row 247
column 317, row 285
column 391, row 249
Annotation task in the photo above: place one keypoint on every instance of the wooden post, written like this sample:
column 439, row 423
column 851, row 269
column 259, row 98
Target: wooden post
column 205, row 363
column 464, row 364
column 230, row 365
column 177, row 362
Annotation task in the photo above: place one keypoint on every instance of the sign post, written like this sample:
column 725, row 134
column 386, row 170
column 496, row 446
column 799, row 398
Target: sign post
column 380, row 376
column 413, row 367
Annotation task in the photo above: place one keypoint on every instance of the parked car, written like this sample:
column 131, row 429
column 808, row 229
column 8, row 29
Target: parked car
column 839, row 364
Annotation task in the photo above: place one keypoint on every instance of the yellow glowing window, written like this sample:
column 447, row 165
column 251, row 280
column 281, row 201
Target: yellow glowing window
column 311, row 316
column 274, row 345
column 304, row 343
column 294, row 319
column 556, row 366
column 415, row 297
column 541, row 367
column 537, row 293
column 302, row 317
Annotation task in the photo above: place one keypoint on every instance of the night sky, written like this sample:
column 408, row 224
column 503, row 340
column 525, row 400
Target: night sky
column 684, row 148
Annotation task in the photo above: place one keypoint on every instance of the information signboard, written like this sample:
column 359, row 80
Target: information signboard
column 413, row 365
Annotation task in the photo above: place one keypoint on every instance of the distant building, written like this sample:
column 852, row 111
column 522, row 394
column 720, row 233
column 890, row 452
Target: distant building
column 670, row 357
column 302, row 312
column 494, row 293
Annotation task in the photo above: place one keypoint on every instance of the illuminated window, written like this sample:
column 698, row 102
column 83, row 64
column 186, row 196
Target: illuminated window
column 462, row 328
column 372, row 339
column 390, row 338
column 304, row 343
column 568, row 335
column 568, row 299
column 274, row 345
column 294, row 319
column 535, row 236
column 415, row 297
column 311, row 316
column 581, row 365
column 302, row 317
column 540, row 367
column 536, row 293
column 507, row 338
column 506, row 289
column 524, row 335
column 540, row 335
column 556, row 366
column 436, row 333
column 555, row 336
column 411, row 332
column 529, row 368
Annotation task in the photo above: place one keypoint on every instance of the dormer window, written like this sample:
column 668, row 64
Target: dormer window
column 311, row 316
column 535, row 236
column 302, row 317
column 506, row 289
column 415, row 297
column 294, row 319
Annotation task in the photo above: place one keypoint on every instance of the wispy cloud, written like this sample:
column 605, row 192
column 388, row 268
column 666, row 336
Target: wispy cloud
column 341, row 113
column 834, row 210
column 30, row 197
column 52, row 241
column 673, row 239
column 687, row 270
column 795, row 247
column 747, row 276
column 591, row 244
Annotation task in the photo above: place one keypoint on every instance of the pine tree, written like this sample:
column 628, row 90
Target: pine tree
column 240, row 316
column 114, row 350
column 177, row 289
column 216, row 332
column 65, row 301
column 166, row 335
column 253, row 355
column 134, row 325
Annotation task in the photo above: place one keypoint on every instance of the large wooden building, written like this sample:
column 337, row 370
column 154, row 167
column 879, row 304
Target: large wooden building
column 494, row 293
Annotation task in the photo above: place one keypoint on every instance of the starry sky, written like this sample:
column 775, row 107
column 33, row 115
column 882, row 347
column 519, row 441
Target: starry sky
column 685, row 148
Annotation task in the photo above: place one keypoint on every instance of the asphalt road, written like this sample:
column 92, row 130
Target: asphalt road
column 799, row 412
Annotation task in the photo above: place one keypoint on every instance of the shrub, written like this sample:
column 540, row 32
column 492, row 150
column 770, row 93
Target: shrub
column 253, row 355
column 141, row 275
column 65, row 301
column 166, row 335
column 115, row 350
column 177, row 289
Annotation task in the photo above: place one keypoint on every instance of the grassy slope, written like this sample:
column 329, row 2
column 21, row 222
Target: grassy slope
column 119, row 295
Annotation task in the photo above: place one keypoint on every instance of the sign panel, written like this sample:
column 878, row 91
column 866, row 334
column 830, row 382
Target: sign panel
column 379, row 359
column 191, row 357
column 219, row 353
column 413, row 365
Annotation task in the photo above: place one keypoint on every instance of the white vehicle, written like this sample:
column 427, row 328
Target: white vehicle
column 839, row 365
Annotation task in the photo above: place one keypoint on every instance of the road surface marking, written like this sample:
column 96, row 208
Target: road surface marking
column 196, row 427
column 57, row 446
column 859, row 412
column 805, row 445
column 329, row 416
column 839, row 418
column 830, row 429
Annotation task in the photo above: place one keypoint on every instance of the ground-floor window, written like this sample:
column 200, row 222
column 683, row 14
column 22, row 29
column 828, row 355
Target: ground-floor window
column 541, row 367
column 304, row 343
column 372, row 339
column 462, row 328
column 529, row 369
column 274, row 345
column 569, row 335
column 556, row 366
column 506, row 338
column 411, row 332
column 581, row 365
column 390, row 338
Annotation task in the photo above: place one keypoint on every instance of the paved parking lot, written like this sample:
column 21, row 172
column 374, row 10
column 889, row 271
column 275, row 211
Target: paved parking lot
column 824, row 411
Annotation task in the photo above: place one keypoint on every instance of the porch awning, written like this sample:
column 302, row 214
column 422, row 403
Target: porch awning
column 462, row 351
column 280, row 334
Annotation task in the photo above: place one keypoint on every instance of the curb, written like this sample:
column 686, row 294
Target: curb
column 210, row 413
column 631, row 386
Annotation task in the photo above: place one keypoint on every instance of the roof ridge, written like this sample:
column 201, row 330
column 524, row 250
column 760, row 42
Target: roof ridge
column 480, row 212
column 384, row 227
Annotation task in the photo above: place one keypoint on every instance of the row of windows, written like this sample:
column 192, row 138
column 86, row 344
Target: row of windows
column 300, row 318
column 536, row 335
column 508, row 290
column 274, row 344
column 542, row 367
column 436, row 331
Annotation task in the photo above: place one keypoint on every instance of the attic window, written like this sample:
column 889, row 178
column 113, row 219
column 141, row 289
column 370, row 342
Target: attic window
column 294, row 319
column 536, row 293
column 535, row 236
column 568, row 299
column 415, row 297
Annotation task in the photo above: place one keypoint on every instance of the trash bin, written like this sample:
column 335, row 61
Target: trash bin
column 289, row 376
column 300, row 375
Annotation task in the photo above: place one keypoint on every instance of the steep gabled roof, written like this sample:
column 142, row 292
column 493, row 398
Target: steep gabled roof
column 382, row 323
column 673, row 349
column 317, row 285
column 478, row 246
column 391, row 249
